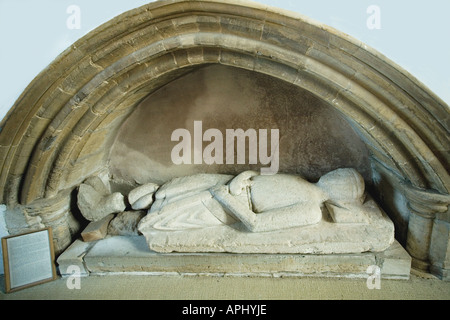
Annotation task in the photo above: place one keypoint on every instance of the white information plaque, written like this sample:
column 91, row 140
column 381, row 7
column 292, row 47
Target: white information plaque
column 28, row 259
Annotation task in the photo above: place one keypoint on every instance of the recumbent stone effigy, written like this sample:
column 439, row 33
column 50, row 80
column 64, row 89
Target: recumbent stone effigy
column 254, row 213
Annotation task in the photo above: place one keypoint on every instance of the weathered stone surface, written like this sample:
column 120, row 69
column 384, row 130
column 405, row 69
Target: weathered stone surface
column 131, row 254
column 71, row 261
column 142, row 197
column 95, row 202
column 125, row 223
column 396, row 261
column 97, row 230
column 143, row 202
column 254, row 213
column 225, row 90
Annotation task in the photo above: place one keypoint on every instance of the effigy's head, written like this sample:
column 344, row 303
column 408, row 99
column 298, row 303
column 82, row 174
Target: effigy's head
column 345, row 185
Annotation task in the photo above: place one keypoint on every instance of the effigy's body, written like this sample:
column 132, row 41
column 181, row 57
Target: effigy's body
column 253, row 213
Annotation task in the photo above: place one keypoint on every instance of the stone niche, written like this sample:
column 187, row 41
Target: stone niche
column 100, row 118
column 314, row 138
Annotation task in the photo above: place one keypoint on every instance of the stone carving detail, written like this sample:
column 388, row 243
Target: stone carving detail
column 141, row 197
column 253, row 213
column 95, row 201
column 125, row 223
column 247, row 213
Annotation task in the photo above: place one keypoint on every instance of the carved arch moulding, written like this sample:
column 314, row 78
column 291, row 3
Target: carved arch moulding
column 61, row 129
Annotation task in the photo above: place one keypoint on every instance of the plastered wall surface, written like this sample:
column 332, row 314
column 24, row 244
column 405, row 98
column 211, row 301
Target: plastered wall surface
column 314, row 138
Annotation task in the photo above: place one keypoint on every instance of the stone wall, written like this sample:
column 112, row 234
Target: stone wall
column 314, row 138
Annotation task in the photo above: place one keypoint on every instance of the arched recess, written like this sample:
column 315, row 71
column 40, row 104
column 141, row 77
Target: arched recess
column 62, row 126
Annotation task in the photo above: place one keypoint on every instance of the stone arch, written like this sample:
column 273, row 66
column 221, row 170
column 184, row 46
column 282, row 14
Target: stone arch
column 61, row 128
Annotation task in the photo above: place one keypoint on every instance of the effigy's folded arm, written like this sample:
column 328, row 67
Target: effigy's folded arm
column 300, row 214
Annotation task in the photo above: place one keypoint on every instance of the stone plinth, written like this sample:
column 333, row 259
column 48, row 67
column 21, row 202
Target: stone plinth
column 131, row 255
